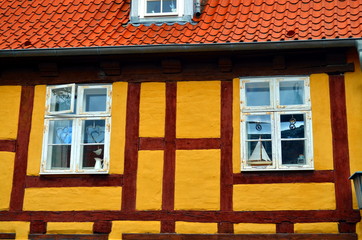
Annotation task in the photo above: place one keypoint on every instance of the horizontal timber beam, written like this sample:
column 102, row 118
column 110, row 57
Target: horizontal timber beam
column 317, row 176
column 293, row 216
column 112, row 180
column 8, row 145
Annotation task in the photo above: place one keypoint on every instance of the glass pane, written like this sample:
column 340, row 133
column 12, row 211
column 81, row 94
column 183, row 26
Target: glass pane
column 61, row 99
column 292, row 125
column 59, row 146
column 293, row 152
column 59, row 156
column 259, row 153
column 60, row 131
column 95, row 100
column 258, row 127
column 93, row 131
column 93, row 144
column 93, row 156
column 257, row 94
column 153, row 6
column 168, row 6
column 291, row 92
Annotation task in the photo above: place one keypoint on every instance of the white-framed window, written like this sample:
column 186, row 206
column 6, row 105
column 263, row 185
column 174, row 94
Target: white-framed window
column 143, row 11
column 276, row 123
column 77, row 126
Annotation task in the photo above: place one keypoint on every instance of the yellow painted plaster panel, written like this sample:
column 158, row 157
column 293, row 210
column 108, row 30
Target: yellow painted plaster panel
column 119, row 227
column 196, row 228
column 20, row 228
column 197, row 183
column 152, row 109
column 69, row 228
column 198, row 109
column 6, row 178
column 119, row 107
column 327, row 227
column 9, row 111
column 353, row 84
column 359, row 230
column 322, row 130
column 72, row 198
column 36, row 133
column 297, row 196
column 149, row 180
column 236, row 126
column 252, row 228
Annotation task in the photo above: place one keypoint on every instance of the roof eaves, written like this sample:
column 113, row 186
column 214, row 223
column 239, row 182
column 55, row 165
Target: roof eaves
column 173, row 48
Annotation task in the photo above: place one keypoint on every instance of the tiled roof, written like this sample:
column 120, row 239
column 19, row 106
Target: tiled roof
column 89, row 23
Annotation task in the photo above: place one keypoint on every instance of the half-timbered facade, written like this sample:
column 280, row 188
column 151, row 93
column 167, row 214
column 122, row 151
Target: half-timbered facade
column 210, row 119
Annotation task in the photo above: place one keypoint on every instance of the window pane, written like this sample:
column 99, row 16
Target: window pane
column 61, row 99
column 259, row 153
column 168, row 6
column 153, row 6
column 292, row 126
column 93, row 131
column 59, row 146
column 291, row 92
column 60, row 131
column 293, row 152
column 257, row 94
column 92, row 146
column 59, row 156
column 95, row 100
column 258, row 127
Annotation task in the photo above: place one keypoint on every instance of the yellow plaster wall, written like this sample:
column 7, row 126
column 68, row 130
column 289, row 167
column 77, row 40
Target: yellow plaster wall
column 322, row 130
column 152, row 110
column 198, row 109
column 20, row 228
column 119, row 227
column 197, row 184
column 353, row 85
column 289, row 196
column 69, row 228
column 118, row 129
column 149, row 180
column 236, row 126
column 327, row 227
column 72, row 198
column 196, row 228
column 36, row 132
column 6, row 178
column 254, row 228
column 9, row 111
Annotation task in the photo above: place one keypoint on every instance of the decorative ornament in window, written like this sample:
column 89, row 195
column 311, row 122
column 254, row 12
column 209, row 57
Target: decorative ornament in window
column 77, row 129
column 276, row 125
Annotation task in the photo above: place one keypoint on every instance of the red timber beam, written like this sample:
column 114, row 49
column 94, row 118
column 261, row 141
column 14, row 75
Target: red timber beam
column 292, row 216
column 22, row 144
column 226, row 169
column 8, row 145
column 131, row 149
column 168, row 182
column 343, row 191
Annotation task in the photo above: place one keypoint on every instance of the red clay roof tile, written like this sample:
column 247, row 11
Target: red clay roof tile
column 88, row 23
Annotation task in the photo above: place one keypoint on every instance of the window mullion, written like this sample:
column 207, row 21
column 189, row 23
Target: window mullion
column 277, row 139
column 74, row 159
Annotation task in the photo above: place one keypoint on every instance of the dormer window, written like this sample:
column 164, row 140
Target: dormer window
column 159, row 11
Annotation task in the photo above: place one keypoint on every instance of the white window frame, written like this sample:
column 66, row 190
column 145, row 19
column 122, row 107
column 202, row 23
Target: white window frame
column 78, row 116
column 275, row 110
column 183, row 13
